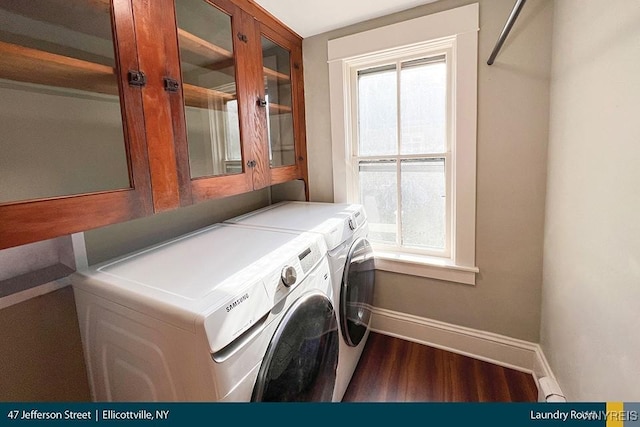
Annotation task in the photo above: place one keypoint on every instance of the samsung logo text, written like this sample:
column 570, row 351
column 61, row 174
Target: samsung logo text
column 237, row 302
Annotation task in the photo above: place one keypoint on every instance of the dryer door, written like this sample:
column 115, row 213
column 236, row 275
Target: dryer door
column 301, row 360
column 356, row 292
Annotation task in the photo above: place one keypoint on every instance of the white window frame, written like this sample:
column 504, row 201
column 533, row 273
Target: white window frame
column 442, row 48
column 455, row 33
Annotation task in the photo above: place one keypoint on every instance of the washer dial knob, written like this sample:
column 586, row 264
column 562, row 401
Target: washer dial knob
column 352, row 225
column 288, row 276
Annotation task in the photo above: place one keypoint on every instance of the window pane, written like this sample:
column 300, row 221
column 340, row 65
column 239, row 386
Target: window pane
column 423, row 203
column 377, row 112
column 378, row 194
column 423, row 96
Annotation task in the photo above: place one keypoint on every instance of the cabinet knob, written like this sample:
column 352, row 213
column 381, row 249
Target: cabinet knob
column 262, row 102
column 171, row 85
column 136, row 78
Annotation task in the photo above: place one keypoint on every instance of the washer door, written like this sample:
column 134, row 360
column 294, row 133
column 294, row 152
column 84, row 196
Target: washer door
column 356, row 292
column 301, row 360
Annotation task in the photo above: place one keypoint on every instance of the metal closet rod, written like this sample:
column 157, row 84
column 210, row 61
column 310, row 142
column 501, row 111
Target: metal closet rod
column 505, row 31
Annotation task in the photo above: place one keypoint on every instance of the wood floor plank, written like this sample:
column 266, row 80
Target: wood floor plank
column 462, row 385
column 491, row 382
column 519, row 387
column 423, row 358
column 395, row 370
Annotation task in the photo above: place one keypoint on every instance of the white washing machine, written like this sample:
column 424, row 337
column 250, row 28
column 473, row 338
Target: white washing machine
column 220, row 314
column 345, row 230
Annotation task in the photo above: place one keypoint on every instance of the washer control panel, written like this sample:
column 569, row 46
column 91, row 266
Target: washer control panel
column 281, row 281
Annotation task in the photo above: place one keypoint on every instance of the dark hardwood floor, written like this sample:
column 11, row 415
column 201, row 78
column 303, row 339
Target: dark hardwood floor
column 395, row 370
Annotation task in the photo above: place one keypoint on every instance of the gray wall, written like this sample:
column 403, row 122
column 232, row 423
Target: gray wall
column 592, row 238
column 118, row 239
column 513, row 115
column 21, row 260
column 51, row 137
column 41, row 352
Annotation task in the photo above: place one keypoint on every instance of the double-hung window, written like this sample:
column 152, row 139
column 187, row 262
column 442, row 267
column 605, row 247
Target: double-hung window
column 403, row 102
column 402, row 156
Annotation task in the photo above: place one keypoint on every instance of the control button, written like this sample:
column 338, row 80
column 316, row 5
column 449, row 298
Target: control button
column 352, row 226
column 288, row 276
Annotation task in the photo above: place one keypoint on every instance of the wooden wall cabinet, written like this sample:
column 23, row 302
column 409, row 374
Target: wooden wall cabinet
column 141, row 106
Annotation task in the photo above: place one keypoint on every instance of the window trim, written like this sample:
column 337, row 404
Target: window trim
column 456, row 29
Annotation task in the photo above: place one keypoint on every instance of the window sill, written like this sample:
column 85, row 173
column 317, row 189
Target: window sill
column 425, row 266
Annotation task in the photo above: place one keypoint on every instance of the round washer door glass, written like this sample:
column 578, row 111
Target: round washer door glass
column 356, row 293
column 301, row 360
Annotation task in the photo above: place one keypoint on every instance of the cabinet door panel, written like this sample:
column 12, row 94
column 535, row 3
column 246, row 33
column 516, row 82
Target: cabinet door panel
column 283, row 82
column 276, row 61
column 59, row 103
column 72, row 157
column 209, row 78
column 215, row 142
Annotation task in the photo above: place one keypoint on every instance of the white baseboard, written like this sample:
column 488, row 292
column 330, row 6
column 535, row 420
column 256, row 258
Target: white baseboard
column 501, row 350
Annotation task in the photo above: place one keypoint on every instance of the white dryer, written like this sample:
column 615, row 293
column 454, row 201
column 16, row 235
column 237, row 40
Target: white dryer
column 345, row 230
column 220, row 314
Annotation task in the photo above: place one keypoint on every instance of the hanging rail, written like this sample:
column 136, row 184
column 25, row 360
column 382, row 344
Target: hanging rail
column 505, row 31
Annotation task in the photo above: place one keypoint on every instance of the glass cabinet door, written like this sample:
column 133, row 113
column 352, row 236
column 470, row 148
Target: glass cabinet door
column 70, row 159
column 277, row 80
column 284, row 96
column 210, row 40
column 209, row 83
column 62, row 129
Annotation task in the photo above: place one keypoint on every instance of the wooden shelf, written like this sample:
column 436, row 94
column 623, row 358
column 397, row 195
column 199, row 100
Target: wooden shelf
column 275, row 75
column 220, row 58
column 28, row 65
column 279, row 109
column 196, row 96
column 202, row 47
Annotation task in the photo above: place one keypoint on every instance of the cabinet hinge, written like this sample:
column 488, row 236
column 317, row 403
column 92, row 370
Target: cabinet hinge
column 137, row 78
column 243, row 37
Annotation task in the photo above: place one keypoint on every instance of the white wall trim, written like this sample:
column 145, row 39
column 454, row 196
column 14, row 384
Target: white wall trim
column 36, row 291
column 434, row 268
column 541, row 367
column 80, row 250
column 494, row 348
